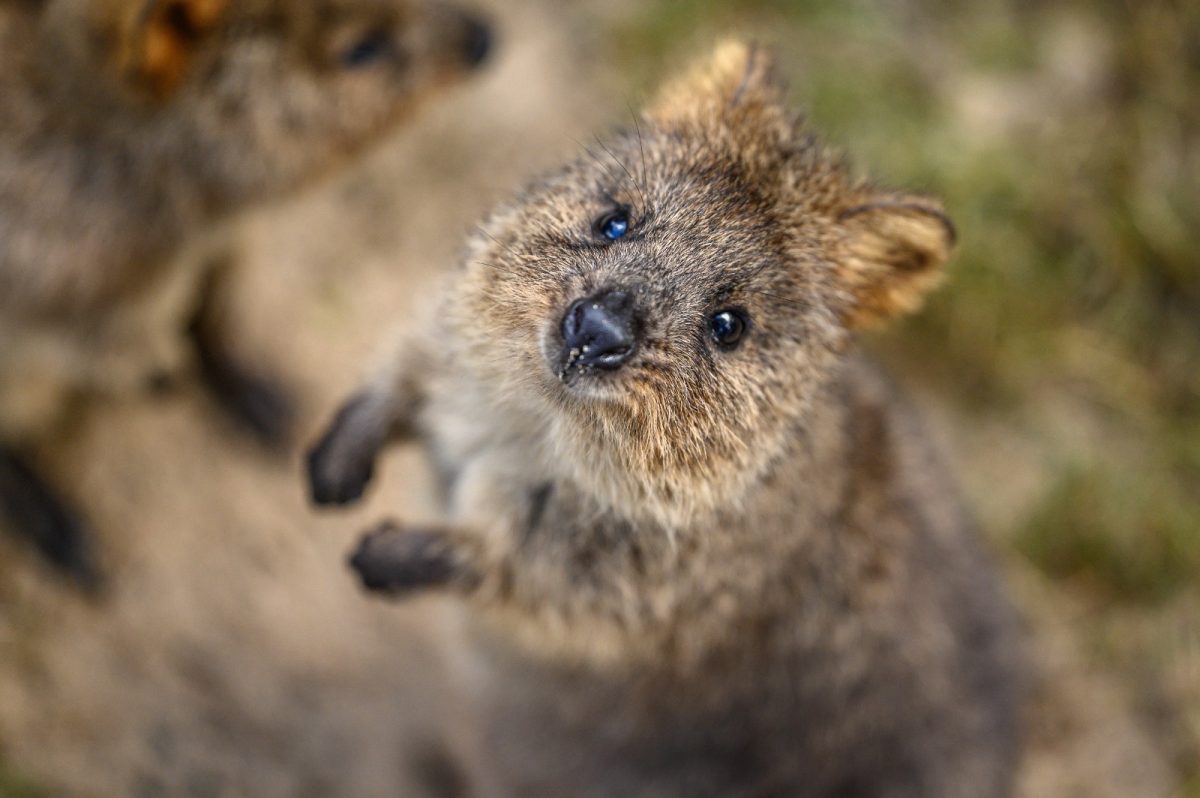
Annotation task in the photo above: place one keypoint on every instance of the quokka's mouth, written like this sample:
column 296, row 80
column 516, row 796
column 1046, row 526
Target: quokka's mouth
column 581, row 379
column 577, row 362
column 576, row 377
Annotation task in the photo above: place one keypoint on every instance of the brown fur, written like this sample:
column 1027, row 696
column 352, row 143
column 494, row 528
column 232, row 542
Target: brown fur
column 710, row 572
column 131, row 132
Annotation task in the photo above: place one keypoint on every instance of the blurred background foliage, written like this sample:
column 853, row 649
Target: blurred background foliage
column 14, row 786
column 1065, row 349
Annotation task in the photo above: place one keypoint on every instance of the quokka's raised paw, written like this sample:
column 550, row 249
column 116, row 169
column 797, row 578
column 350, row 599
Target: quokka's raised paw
column 342, row 463
column 396, row 560
column 258, row 403
column 46, row 520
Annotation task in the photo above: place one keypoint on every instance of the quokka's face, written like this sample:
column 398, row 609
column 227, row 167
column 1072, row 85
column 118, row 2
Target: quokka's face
column 668, row 308
column 299, row 85
column 272, row 92
column 676, row 298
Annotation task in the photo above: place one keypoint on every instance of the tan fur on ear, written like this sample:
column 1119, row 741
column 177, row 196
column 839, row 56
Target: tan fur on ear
column 895, row 250
column 738, row 75
column 161, row 40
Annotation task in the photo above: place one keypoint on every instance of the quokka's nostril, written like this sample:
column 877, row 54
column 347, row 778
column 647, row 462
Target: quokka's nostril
column 599, row 331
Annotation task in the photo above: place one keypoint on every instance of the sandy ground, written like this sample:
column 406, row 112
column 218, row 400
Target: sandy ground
column 234, row 654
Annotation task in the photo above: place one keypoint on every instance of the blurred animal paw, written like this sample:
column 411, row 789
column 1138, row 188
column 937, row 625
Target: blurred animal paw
column 342, row 463
column 394, row 560
column 36, row 512
column 256, row 402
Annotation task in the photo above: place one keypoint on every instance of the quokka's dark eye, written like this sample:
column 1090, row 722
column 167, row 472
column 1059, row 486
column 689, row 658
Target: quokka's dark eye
column 614, row 225
column 727, row 327
column 372, row 47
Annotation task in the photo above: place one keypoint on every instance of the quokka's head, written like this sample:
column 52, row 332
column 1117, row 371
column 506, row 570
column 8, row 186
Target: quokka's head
column 269, row 92
column 675, row 298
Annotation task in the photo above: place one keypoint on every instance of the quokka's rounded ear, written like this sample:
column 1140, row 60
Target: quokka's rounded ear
column 738, row 77
column 160, row 39
column 894, row 250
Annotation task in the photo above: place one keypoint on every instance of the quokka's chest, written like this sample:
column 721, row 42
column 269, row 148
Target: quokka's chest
column 487, row 455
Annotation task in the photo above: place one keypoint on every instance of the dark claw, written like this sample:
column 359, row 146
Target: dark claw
column 39, row 515
column 393, row 560
column 342, row 463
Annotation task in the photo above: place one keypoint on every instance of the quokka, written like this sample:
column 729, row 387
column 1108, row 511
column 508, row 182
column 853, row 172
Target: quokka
column 130, row 131
column 706, row 548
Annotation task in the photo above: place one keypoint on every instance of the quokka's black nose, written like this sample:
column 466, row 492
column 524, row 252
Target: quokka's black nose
column 598, row 332
column 478, row 41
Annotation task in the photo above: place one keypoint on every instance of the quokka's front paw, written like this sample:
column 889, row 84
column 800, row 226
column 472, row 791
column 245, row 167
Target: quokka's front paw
column 395, row 560
column 260, row 404
column 342, row 463
column 37, row 513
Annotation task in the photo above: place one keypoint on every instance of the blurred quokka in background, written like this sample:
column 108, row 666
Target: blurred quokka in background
column 129, row 131
column 709, row 548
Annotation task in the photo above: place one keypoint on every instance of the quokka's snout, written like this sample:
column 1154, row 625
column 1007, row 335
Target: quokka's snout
column 599, row 332
column 462, row 38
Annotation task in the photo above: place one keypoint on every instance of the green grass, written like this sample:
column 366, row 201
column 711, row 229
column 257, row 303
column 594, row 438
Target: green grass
column 15, row 786
column 1128, row 535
